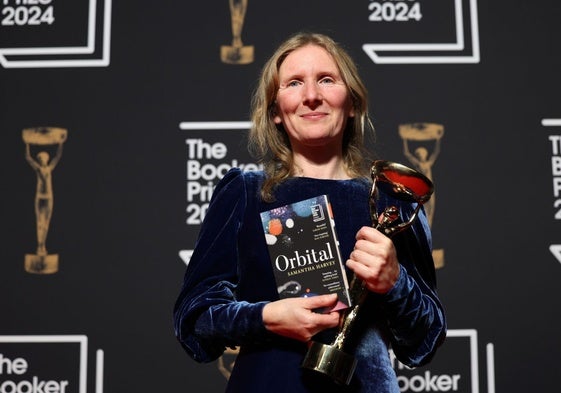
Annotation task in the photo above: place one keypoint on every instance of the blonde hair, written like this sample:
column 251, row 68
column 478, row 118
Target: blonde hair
column 269, row 141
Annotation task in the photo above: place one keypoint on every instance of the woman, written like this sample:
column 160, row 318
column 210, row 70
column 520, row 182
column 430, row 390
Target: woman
column 309, row 113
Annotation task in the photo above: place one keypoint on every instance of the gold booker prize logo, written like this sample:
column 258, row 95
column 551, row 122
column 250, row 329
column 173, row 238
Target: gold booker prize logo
column 426, row 137
column 227, row 361
column 237, row 53
column 43, row 139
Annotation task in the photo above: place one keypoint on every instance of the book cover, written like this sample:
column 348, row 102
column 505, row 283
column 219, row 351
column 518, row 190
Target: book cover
column 304, row 250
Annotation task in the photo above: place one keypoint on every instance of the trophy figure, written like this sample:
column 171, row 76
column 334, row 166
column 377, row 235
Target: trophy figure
column 424, row 136
column 237, row 53
column 42, row 262
column 402, row 183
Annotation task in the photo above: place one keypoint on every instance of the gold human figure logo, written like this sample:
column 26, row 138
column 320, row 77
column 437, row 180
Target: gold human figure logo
column 423, row 158
column 226, row 362
column 237, row 53
column 42, row 138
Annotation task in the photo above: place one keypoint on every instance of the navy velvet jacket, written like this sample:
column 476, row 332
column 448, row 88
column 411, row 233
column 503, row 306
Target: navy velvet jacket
column 229, row 280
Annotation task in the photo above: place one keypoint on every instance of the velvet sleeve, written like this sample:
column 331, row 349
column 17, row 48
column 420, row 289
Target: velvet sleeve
column 207, row 315
column 415, row 315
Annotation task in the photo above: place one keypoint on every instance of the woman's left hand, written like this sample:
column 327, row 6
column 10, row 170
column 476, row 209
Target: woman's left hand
column 374, row 260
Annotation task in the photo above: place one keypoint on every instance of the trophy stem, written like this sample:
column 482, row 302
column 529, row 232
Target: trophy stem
column 358, row 294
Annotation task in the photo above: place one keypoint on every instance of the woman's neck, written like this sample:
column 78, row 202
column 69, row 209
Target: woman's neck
column 333, row 168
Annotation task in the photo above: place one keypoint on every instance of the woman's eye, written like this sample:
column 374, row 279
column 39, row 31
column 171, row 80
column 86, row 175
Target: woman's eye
column 293, row 83
column 326, row 81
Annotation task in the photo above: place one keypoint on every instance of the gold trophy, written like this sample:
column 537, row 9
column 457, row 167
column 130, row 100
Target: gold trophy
column 42, row 262
column 427, row 137
column 237, row 53
column 402, row 183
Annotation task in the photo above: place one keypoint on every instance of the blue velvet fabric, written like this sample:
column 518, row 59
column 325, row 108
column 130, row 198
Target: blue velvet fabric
column 229, row 280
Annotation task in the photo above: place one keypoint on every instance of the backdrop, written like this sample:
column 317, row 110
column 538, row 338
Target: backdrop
column 117, row 120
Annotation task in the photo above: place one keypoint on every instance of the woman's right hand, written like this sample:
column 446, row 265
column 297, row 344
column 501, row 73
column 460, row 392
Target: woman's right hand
column 295, row 318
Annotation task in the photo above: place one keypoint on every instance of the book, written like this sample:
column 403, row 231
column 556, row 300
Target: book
column 304, row 250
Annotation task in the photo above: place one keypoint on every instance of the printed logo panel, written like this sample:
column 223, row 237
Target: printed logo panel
column 455, row 367
column 55, row 364
column 555, row 143
column 423, row 32
column 53, row 33
column 212, row 149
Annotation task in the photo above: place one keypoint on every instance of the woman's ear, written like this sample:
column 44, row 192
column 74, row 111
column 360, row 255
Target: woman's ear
column 274, row 114
column 352, row 110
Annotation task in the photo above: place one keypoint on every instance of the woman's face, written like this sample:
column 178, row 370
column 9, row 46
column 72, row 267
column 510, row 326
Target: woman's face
column 313, row 102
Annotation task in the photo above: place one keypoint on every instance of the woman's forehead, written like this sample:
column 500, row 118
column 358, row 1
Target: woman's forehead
column 308, row 58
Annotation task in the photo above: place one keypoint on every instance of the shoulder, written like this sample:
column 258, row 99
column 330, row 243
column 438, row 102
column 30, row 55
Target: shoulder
column 236, row 182
column 236, row 175
column 252, row 178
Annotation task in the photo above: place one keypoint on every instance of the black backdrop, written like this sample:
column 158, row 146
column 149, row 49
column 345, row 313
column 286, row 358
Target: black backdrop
column 121, row 207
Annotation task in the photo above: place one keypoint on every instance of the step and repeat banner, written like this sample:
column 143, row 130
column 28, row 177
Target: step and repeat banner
column 117, row 120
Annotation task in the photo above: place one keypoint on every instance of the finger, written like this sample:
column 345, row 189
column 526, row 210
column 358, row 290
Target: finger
column 369, row 233
column 364, row 250
column 325, row 320
column 361, row 270
column 321, row 301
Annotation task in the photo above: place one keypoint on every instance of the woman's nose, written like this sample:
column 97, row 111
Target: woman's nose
column 312, row 93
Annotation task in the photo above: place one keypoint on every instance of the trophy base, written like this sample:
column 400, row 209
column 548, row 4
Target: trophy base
column 236, row 54
column 331, row 362
column 41, row 264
